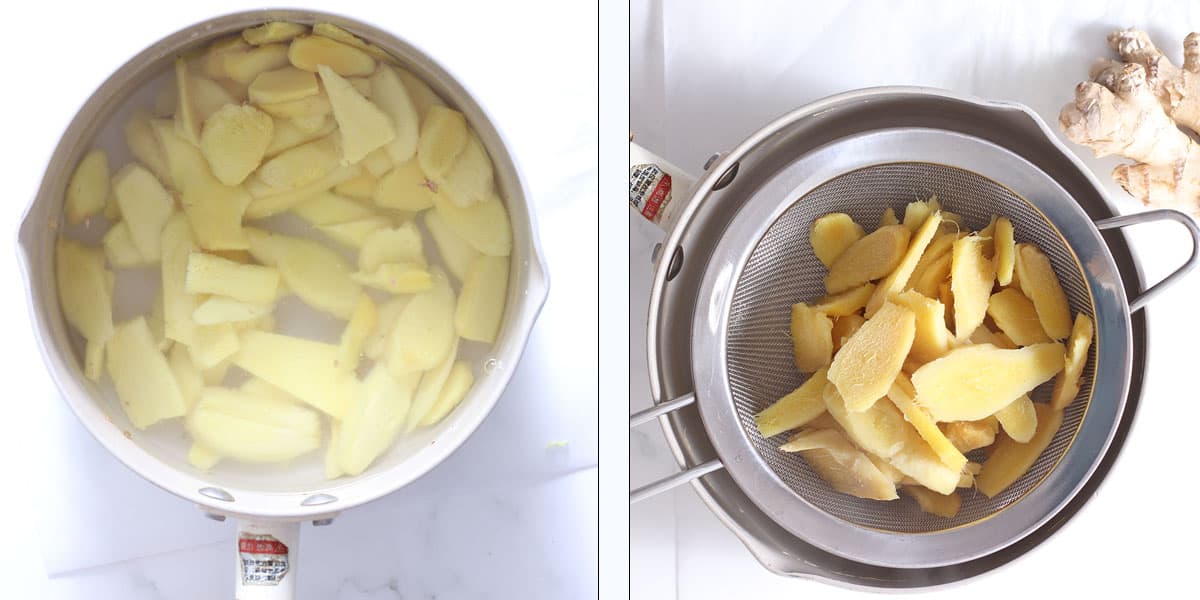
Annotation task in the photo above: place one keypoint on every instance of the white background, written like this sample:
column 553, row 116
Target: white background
column 704, row 75
column 503, row 517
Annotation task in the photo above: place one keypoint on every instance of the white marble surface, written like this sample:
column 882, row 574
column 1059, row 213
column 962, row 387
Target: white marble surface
column 505, row 516
column 706, row 74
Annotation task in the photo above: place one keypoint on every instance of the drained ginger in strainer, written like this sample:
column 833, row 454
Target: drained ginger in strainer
column 941, row 338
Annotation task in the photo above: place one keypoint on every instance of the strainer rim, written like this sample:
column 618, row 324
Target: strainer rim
column 719, row 415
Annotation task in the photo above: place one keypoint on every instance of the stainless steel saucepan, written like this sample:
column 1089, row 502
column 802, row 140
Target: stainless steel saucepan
column 738, row 255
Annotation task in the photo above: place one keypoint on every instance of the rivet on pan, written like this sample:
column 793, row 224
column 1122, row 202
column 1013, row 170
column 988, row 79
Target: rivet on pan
column 318, row 500
column 322, row 522
column 726, row 178
column 676, row 264
column 217, row 494
column 712, row 159
column 491, row 365
column 654, row 253
column 215, row 517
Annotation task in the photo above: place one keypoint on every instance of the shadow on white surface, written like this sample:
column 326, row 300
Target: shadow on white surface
column 536, row 542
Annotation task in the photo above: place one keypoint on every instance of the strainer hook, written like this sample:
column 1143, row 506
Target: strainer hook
column 682, row 477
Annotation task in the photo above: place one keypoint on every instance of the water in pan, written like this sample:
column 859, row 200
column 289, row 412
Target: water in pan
column 782, row 270
column 136, row 289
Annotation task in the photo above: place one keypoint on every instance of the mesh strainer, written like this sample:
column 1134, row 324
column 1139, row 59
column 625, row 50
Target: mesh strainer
column 762, row 263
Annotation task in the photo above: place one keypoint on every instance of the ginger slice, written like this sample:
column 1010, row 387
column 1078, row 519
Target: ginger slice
column 868, row 363
column 812, row 338
column 846, row 468
column 870, row 258
column 832, row 234
column 796, row 409
column 1066, row 386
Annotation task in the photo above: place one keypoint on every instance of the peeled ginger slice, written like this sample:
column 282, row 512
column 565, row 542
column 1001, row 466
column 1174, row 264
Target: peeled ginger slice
column 424, row 332
column 145, row 384
column 812, row 338
column 234, row 140
column 1009, row 459
column 868, row 363
column 1066, row 386
column 846, row 303
column 902, row 395
column 1018, row 419
column 363, row 126
column 898, row 278
column 377, row 412
column 252, row 427
column 481, row 301
column 971, row 278
column 942, row 505
column 846, row 468
column 392, row 96
column 1005, row 249
column 868, row 259
column 1037, row 280
column 1015, row 315
column 83, row 289
column 794, row 410
column 973, row 382
column 453, row 391
column 832, row 234
column 444, row 135
column 87, row 191
column 310, row 52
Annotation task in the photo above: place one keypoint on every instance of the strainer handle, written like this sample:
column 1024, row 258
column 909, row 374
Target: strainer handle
column 680, row 478
column 1150, row 216
column 658, row 410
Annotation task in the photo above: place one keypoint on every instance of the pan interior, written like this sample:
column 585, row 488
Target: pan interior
column 782, row 270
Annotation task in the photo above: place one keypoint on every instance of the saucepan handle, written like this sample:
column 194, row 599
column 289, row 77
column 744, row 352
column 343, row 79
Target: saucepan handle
column 1139, row 301
column 682, row 477
column 654, row 186
column 266, row 553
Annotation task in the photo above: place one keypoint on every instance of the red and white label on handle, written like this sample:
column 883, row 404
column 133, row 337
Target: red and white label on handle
column 652, row 183
column 649, row 190
column 264, row 559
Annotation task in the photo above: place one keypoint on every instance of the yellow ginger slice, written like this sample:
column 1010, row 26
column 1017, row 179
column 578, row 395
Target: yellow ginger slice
column 87, row 191
column 1016, row 316
column 898, row 278
column 868, row 363
column 868, row 259
column 1018, row 419
column 1009, row 459
column 846, row 468
column 973, row 382
column 812, row 338
column 1066, row 386
column 832, row 234
column 971, row 278
column 1037, row 280
column 796, row 409
column 363, row 126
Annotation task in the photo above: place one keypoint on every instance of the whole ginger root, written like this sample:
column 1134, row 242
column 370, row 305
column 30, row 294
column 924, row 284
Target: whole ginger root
column 1135, row 108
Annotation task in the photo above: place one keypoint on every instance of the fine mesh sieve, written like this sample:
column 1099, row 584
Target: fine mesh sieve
column 783, row 270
